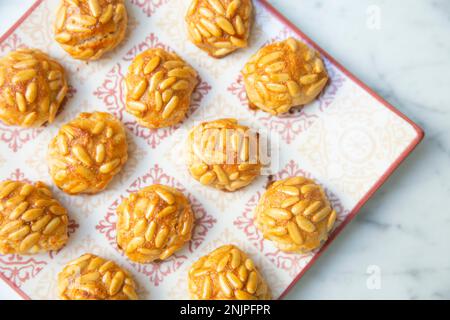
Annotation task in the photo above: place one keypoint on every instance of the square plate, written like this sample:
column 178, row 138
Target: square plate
column 350, row 140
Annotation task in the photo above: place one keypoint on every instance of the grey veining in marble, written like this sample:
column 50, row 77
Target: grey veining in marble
column 405, row 228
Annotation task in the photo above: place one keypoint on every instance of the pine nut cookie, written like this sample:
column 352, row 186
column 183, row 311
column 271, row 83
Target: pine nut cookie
column 219, row 27
column 153, row 223
column 295, row 214
column 87, row 153
column 91, row 277
column 159, row 87
column 283, row 75
column 86, row 29
column 31, row 220
column 224, row 154
column 226, row 274
column 32, row 88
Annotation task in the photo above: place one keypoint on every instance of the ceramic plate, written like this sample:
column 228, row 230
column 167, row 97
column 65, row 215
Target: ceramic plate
column 350, row 140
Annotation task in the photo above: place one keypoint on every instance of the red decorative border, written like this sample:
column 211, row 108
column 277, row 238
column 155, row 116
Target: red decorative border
column 375, row 187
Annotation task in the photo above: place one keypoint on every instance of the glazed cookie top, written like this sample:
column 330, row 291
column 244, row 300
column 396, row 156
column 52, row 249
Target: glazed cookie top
column 226, row 274
column 87, row 29
column 90, row 277
column 224, row 154
column 159, row 87
column 283, row 75
column 32, row 88
column 219, row 27
column 154, row 223
column 295, row 213
column 31, row 220
column 87, row 152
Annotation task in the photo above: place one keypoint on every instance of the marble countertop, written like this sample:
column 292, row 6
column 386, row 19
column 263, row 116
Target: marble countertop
column 398, row 247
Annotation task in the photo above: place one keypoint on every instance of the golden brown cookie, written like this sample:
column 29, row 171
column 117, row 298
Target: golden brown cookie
column 87, row 153
column 31, row 220
column 226, row 274
column 219, row 27
column 153, row 223
column 159, row 87
column 86, row 29
column 32, row 88
column 295, row 214
column 283, row 75
column 224, row 154
column 90, row 277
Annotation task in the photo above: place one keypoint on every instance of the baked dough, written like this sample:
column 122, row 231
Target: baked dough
column 224, row 154
column 86, row 29
column 32, row 88
column 219, row 27
column 283, row 75
column 226, row 274
column 159, row 87
column 153, row 223
column 87, row 152
column 31, row 220
column 295, row 214
column 91, row 277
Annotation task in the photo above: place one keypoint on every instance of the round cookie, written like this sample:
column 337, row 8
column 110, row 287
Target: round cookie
column 295, row 214
column 159, row 87
column 153, row 223
column 226, row 274
column 224, row 154
column 31, row 220
column 283, row 75
column 90, row 277
column 219, row 27
column 86, row 29
column 32, row 88
column 87, row 152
